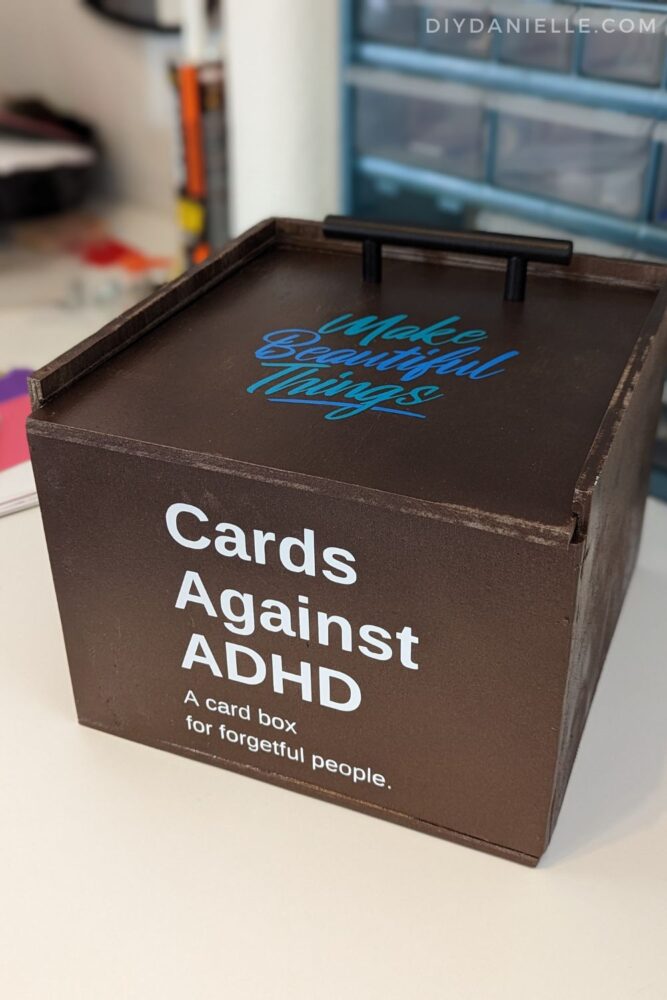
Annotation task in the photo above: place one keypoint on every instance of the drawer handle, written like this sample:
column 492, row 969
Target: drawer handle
column 518, row 250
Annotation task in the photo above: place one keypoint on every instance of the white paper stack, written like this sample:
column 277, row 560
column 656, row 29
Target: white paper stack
column 17, row 489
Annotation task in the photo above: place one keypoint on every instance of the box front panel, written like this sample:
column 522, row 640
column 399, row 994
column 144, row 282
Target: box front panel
column 403, row 663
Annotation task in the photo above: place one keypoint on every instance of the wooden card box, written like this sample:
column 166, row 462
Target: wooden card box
column 367, row 540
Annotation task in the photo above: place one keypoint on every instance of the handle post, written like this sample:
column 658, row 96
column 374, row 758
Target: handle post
column 372, row 261
column 516, row 276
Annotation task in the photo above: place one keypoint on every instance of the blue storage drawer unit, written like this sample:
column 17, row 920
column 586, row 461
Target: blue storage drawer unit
column 565, row 128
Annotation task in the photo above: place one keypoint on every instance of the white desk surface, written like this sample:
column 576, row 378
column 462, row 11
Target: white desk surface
column 132, row 873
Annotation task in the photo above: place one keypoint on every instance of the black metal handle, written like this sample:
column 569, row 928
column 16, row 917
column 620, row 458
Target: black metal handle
column 518, row 250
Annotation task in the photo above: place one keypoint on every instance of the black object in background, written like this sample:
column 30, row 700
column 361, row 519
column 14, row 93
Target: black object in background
column 144, row 14
column 48, row 160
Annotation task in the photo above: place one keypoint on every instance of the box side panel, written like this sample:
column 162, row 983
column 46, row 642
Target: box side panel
column 613, row 512
column 408, row 667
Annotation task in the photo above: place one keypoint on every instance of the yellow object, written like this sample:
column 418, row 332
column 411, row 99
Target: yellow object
column 191, row 216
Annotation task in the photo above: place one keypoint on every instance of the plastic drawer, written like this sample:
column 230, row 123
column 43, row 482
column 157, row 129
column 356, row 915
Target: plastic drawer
column 424, row 123
column 522, row 43
column 386, row 201
column 597, row 159
column 463, row 31
column 394, row 22
column 635, row 56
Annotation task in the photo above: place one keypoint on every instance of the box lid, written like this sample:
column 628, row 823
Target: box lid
column 428, row 386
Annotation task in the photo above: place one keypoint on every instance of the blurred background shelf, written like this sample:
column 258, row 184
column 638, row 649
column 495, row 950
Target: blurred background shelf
column 577, row 121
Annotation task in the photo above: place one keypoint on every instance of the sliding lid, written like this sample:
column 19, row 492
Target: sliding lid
column 432, row 375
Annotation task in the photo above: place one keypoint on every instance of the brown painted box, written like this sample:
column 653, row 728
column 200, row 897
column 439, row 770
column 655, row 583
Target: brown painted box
column 368, row 540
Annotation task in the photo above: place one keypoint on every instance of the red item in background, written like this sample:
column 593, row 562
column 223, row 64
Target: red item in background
column 112, row 253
